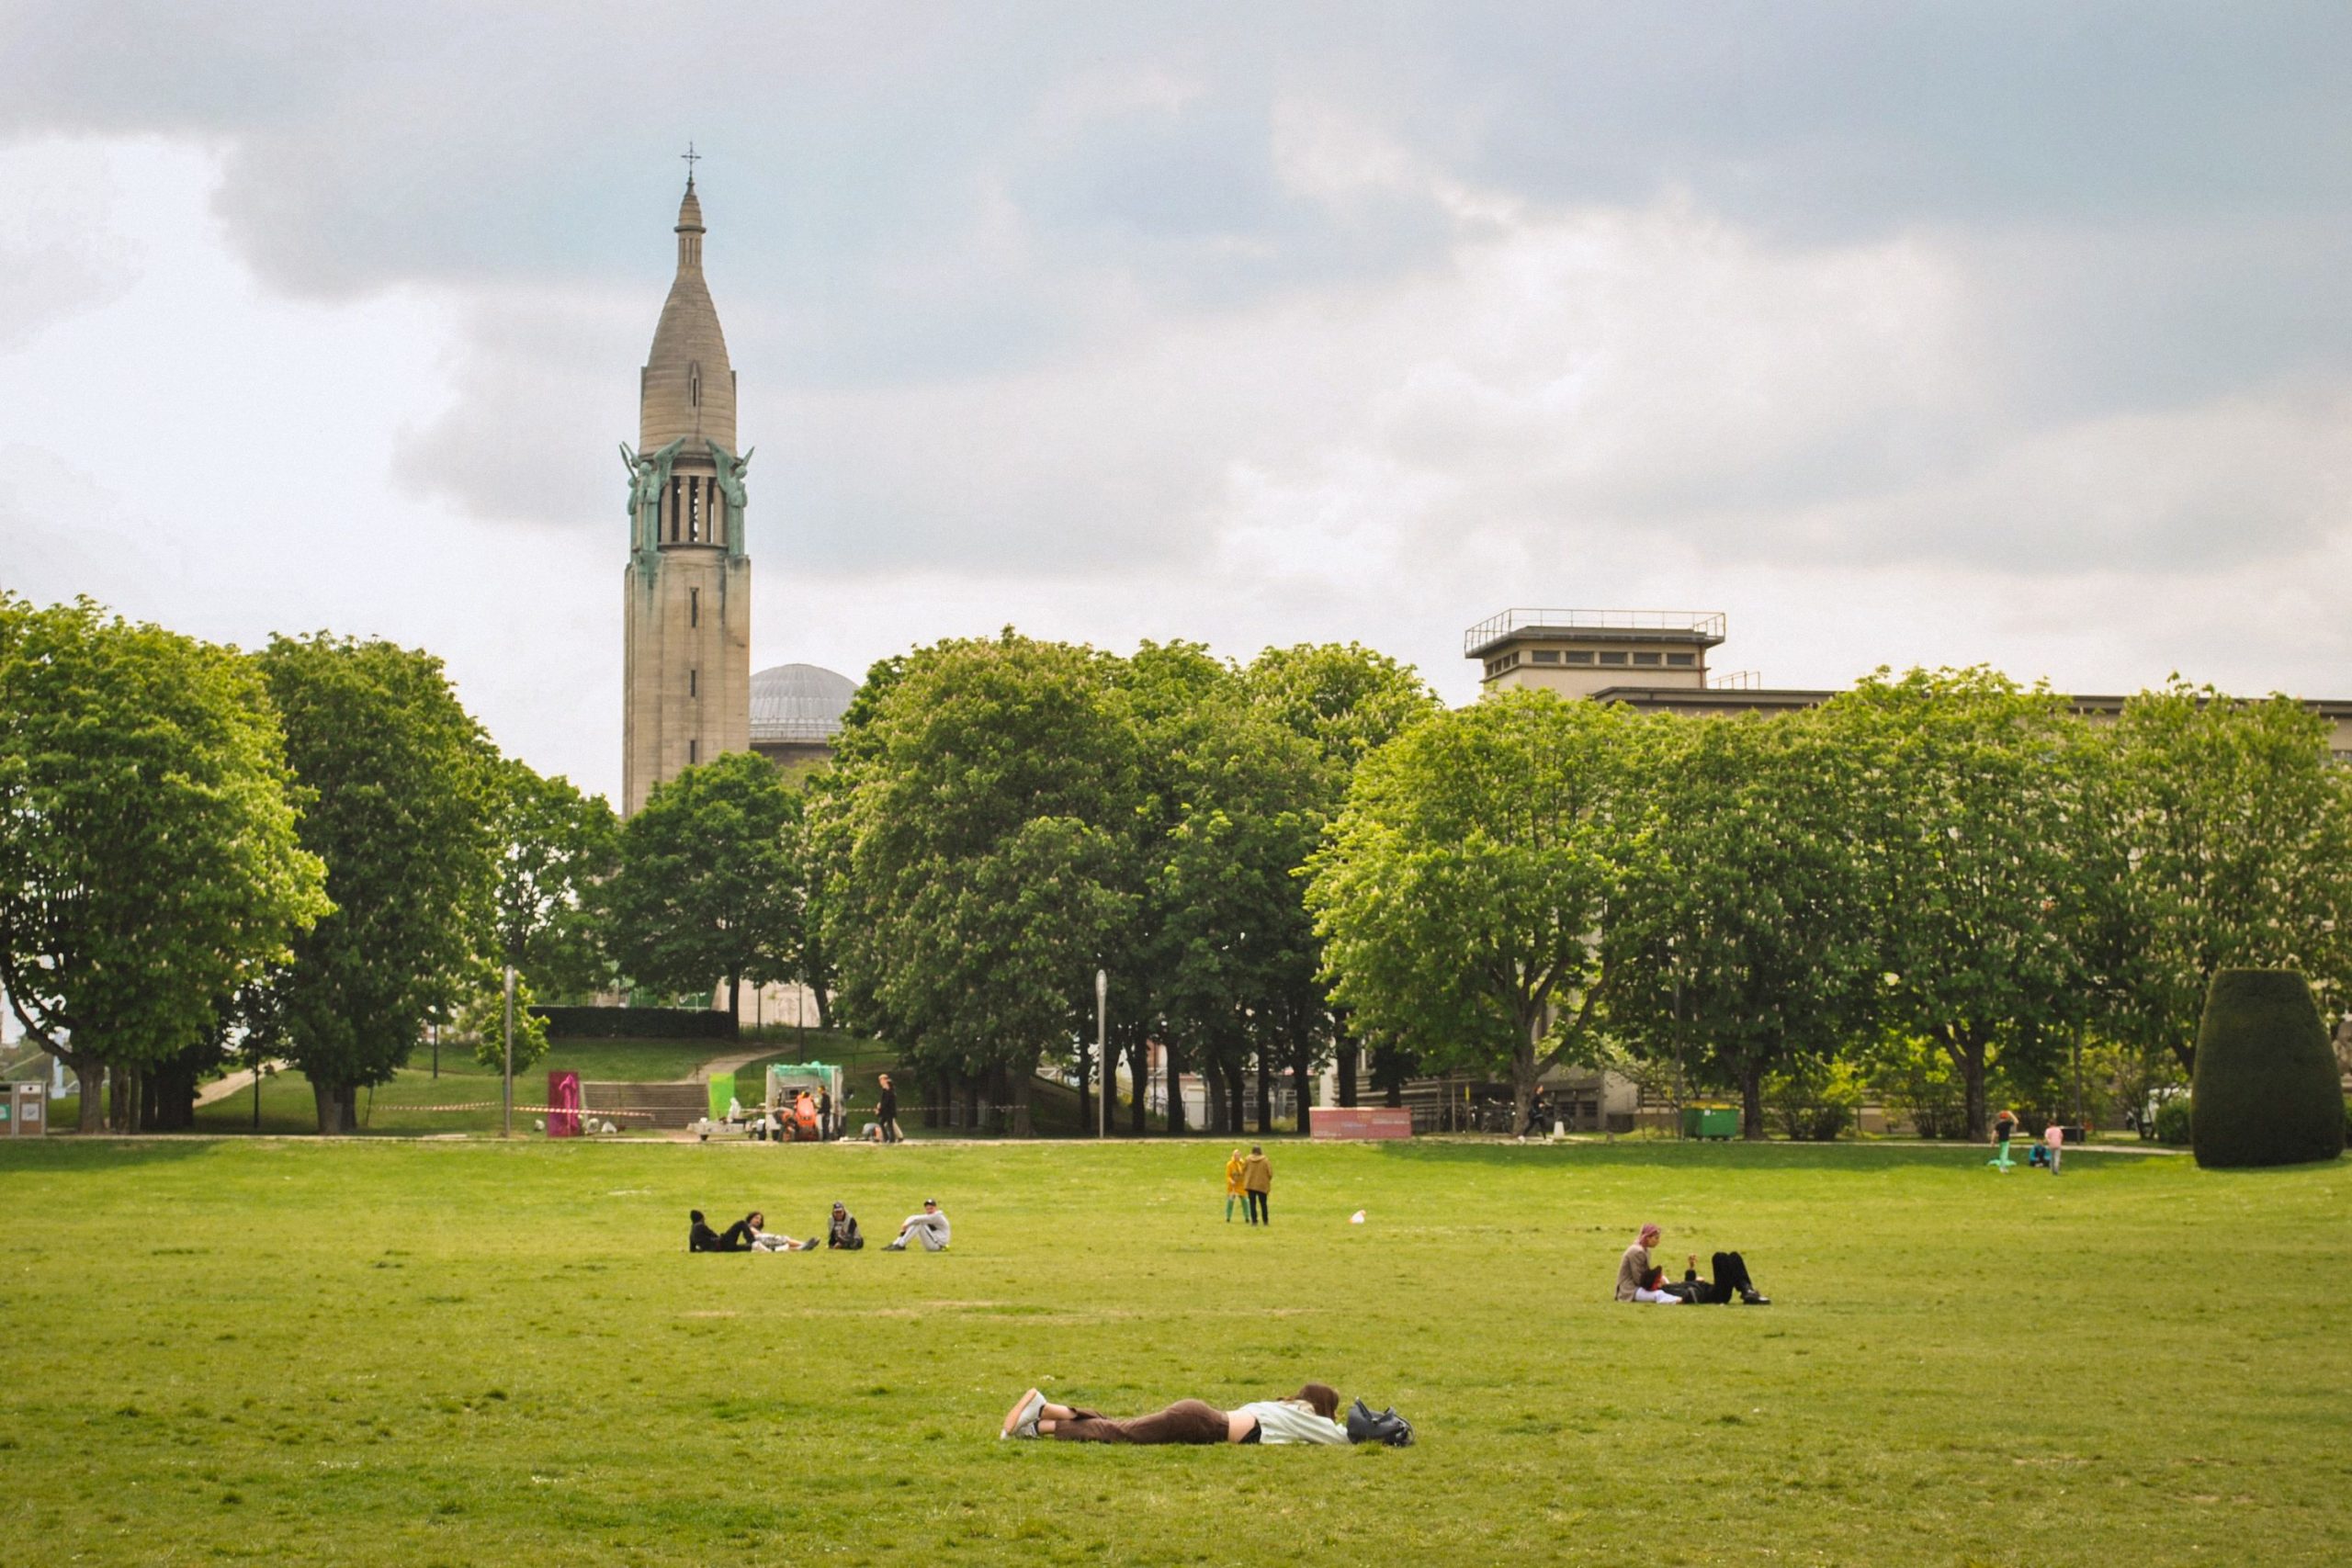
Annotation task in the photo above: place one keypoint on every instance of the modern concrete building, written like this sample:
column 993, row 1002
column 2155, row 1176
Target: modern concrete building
column 686, row 675
column 1656, row 661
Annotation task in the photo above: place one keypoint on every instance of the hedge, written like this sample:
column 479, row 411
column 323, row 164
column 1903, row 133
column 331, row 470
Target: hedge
column 2265, row 1087
column 637, row 1024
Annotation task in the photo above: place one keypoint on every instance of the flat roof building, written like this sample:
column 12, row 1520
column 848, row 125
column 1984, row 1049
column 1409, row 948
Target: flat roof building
column 1655, row 662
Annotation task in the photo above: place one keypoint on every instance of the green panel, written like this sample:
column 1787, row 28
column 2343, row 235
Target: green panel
column 722, row 1091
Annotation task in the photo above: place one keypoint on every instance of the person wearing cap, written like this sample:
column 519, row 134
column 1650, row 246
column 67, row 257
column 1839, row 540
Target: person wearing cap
column 1638, row 1280
column 1310, row 1415
column 930, row 1227
column 844, row 1234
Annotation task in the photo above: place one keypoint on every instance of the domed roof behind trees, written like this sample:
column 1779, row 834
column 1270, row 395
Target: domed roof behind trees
column 798, row 701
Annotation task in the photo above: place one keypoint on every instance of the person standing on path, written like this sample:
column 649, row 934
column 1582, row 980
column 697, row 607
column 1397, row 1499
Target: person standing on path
column 886, row 1111
column 2054, row 1138
column 1233, row 1186
column 1256, row 1181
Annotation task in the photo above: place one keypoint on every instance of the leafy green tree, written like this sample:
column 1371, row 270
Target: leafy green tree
column 148, row 860
column 710, row 884
column 1743, row 934
column 401, row 807
column 555, row 846
column 987, row 793
column 1241, row 958
column 481, row 1017
column 1348, row 701
column 1463, row 891
column 2226, row 833
column 1971, row 797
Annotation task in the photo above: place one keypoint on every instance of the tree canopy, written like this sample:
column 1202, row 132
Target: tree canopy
column 150, row 862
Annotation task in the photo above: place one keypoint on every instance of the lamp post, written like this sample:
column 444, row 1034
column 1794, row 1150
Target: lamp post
column 1102, row 1054
column 507, row 1099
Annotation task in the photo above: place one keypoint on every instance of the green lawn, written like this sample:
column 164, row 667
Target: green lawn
column 425, row 1353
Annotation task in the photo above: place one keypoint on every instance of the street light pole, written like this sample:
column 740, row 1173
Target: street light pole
column 507, row 1127
column 1102, row 1051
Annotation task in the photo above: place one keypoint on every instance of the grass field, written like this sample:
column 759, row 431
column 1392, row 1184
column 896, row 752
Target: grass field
column 426, row 1353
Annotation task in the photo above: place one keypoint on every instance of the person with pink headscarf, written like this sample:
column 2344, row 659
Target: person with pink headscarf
column 1637, row 1279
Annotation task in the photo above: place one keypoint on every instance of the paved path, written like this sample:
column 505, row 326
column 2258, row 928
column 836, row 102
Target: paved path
column 717, row 1064
column 232, row 1084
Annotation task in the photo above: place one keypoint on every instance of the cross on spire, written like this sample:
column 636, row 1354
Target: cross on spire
column 692, row 158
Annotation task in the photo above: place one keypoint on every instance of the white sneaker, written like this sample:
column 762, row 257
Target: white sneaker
column 1023, row 1421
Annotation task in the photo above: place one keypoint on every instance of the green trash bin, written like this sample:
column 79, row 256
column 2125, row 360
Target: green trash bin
column 1710, row 1121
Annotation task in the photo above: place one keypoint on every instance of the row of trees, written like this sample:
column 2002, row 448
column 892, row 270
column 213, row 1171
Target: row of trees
column 1946, row 861
column 313, row 853
column 309, row 851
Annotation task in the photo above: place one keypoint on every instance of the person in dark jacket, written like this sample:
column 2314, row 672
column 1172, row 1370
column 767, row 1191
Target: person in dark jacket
column 700, row 1237
column 886, row 1111
column 844, row 1234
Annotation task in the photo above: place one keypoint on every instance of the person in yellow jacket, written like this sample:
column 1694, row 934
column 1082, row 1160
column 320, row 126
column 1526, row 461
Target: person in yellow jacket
column 1232, row 1183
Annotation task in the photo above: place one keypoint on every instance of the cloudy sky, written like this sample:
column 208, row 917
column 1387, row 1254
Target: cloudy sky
column 1931, row 333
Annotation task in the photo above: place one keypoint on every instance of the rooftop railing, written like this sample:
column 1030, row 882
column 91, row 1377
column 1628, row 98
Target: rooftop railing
column 1698, row 623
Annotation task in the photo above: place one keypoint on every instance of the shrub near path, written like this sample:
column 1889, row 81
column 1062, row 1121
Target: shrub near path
column 425, row 1353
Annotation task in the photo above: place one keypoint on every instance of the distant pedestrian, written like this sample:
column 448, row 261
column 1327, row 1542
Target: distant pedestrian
column 1233, row 1186
column 886, row 1111
column 2054, row 1138
column 1539, row 1114
column 825, row 1114
column 2004, row 1127
column 1257, row 1183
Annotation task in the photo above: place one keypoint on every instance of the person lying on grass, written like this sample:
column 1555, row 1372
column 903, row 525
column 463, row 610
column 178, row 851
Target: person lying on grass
column 700, row 1237
column 765, row 1240
column 1638, row 1279
column 1310, row 1415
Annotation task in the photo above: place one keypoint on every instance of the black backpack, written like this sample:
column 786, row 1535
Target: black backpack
column 1388, row 1427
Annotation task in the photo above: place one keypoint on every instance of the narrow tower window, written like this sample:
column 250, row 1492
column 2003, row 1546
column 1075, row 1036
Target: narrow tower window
column 693, row 384
column 693, row 682
column 694, row 753
column 693, row 607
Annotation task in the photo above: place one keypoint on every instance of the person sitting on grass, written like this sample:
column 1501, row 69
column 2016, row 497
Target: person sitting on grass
column 765, row 1240
column 844, row 1233
column 700, row 1237
column 1310, row 1415
column 1638, row 1279
column 930, row 1227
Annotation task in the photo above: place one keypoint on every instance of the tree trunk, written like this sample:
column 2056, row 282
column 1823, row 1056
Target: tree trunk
column 1220, row 1112
column 1265, row 1094
column 1022, row 1084
column 735, row 1002
column 1302, row 1081
column 824, row 1006
column 1966, row 1047
column 1751, row 1103
column 91, row 1074
column 1177, row 1124
column 1088, row 1123
column 329, row 1100
column 351, row 1107
column 1350, row 1056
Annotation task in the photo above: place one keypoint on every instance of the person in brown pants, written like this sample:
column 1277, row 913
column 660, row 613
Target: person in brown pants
column 1308, row 1417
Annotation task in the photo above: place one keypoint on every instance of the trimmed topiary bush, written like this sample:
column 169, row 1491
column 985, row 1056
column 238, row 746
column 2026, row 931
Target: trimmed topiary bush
column 2265, row 1087
column 2173, row 1120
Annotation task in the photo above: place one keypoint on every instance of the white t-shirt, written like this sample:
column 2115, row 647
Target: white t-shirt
column 1288, row 1421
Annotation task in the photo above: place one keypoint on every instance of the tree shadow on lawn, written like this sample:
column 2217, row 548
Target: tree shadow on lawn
column 1699, row 1155
column 73, row 1151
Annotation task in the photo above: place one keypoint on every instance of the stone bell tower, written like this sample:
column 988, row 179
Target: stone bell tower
column 686, row 674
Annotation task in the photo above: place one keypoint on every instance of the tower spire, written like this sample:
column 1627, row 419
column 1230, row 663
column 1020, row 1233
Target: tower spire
column 692, row 158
